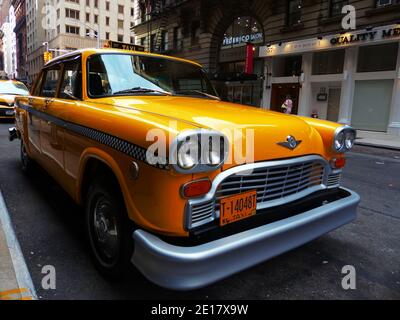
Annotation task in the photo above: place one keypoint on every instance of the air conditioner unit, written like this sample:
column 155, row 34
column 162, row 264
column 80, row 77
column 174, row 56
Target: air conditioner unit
column 383, row 3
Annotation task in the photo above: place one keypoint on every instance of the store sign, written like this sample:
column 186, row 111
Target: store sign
column 254, row 37
column 379, row 34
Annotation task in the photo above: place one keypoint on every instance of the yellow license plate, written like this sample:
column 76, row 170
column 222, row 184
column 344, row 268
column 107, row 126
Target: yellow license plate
column 238, row 207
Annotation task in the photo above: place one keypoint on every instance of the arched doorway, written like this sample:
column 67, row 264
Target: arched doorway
column 231, row 81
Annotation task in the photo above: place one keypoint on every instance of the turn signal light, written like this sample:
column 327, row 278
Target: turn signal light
column 338, row 163
column 196, row 188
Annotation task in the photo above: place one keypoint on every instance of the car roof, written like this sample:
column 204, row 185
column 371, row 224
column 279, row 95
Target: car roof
column 89, row 52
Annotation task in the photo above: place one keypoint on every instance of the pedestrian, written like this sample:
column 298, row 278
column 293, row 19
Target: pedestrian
column 287, row 105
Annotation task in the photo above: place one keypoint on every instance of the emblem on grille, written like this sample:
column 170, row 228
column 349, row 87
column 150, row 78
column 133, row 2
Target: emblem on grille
column 290, row 143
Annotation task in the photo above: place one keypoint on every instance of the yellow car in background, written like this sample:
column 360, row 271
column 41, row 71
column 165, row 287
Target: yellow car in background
column 9, row 89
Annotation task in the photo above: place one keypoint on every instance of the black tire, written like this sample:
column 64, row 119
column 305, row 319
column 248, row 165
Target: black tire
column 26, row 161
column 108, row 229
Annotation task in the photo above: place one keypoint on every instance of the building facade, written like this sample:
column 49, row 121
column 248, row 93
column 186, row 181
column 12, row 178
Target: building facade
column 21, row 41
column 9, row 44
column 35, row 36
column 68, row 25
column 301, row 52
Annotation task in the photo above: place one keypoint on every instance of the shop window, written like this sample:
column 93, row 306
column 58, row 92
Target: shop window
column 377, row 58
column 287, row 66
column 336, row 7
column 294, row 12
column 384, row 3
column 328, row 62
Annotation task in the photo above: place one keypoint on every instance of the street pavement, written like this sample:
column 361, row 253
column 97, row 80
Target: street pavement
column 49, row 227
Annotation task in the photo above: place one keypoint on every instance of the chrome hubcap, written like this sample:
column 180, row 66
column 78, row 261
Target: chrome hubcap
column 105, row 229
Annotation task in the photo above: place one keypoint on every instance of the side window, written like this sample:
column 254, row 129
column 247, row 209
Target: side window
column 38, row 86
column 71, row 86
column 50, row 82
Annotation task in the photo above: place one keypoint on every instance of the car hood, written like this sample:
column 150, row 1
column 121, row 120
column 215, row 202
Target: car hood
column 268, row 128
column 8, row 98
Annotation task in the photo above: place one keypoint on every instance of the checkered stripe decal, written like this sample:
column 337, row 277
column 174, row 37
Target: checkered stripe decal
column 130, row 149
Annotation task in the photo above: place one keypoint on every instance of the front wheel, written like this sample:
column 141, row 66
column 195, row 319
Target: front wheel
column 108, row 229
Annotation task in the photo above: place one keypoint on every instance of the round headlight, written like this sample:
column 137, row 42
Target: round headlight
column 339, row 141
column 214, row 158
column 349, row 140
column 188, row 154
column 344, row 139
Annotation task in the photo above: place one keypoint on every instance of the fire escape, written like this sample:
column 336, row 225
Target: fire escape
column 158, row 11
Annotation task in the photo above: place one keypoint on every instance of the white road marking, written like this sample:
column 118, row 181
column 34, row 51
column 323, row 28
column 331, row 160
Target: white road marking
column 21, row 270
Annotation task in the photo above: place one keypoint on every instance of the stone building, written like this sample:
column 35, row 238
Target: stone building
column 300, row 50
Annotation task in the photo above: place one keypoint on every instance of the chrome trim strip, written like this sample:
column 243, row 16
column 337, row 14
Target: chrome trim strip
column 188, row 268
column 210, row 196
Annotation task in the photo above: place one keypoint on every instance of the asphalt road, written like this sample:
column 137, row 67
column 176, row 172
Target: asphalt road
column 50, row 231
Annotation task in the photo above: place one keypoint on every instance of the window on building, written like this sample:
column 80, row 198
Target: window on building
column 132, row 40
column 152, row 42
column 120, row 38
column 142, row 9
column 294, row 12
column 108, row 5
column 164, row 41
column 87, row 17
column 384, row 3
column 120, row 9
column 96, row 3
column 143, row 41
column 336, row 7
column 177, row 41
column 382, row 57
column 88, row 3
column 132, row 12
column 287, row 66
column 71, row 29
column 71, row 85
column 72, row 14
column 107, row 21
column 328, row 62
column 120, row 24
column 107, row 36
column 96, row 18
column 195, row 32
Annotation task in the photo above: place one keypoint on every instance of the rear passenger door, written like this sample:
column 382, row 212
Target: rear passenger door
column 51, row 135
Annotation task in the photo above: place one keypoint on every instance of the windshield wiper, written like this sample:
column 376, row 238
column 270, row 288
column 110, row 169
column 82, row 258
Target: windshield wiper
column 202, row 93
column 142, row 90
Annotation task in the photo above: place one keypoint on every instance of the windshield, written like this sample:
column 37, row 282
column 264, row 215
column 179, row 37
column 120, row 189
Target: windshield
column 14, row 88
column 125, row 74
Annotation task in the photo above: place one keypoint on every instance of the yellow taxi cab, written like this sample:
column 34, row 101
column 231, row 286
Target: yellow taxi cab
column 9, row 89
column 188, row 188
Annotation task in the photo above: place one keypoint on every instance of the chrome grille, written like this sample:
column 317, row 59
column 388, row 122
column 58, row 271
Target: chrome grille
column 277, row 182
column 334, row 179
column 202, row 212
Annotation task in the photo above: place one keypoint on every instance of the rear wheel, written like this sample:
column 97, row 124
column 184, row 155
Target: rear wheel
column 26, row 161
column 108, row 228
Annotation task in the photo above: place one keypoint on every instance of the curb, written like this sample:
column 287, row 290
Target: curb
column 377, row 146
column 26, row 289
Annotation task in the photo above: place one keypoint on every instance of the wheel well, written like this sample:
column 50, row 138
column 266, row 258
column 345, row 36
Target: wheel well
column 97, row 169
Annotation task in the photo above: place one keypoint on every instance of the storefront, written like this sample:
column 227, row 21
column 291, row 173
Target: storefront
column 235, row 82
column 351, row 78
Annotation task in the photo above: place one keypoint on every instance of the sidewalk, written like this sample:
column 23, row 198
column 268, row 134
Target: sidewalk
column 15, row 281
column 378, row 139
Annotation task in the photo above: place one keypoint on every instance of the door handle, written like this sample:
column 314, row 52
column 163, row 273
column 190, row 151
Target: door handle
column 46, row 103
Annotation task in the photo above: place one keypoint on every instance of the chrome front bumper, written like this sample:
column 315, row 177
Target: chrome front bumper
column 187, row 268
